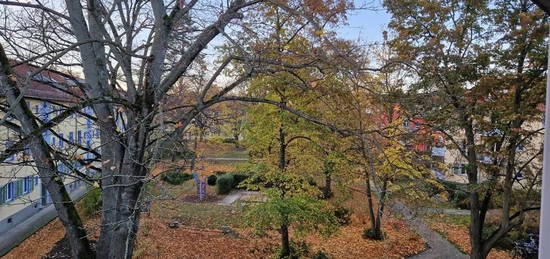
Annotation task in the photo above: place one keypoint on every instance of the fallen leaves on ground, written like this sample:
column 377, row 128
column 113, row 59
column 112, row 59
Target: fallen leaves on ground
column 459, row 236
column 156, row 240
column 348, row 243
column 40, row 243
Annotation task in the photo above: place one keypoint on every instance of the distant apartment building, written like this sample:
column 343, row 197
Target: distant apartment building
column 448, row 163
column 47, row 93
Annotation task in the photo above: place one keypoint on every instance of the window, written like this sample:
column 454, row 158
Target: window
column 10, row 191
column 8, row 144
column 459, row 169
column 27, row 151
column 61, row 168
column 88, row 135
column 53, row 141
column 464, row 146
column 61, row 141
column 28, row 185
column 44, row 112
column 519, row 148
column 71, row 137
column 46, row 136
column 97, row 134
column 36, row 180
column 79, row 137
column 519, row 175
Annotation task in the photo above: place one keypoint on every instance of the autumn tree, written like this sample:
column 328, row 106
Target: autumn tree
column 479, row 68
column 130, row 55
column 279, row 141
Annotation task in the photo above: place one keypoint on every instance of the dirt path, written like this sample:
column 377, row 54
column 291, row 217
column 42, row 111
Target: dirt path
column 439, row 247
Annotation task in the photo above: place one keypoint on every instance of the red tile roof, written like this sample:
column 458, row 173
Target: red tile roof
column 44, row 85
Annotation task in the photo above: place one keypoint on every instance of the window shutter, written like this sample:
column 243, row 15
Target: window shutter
column 18, row 188
column 2, row 195
column 30, row 183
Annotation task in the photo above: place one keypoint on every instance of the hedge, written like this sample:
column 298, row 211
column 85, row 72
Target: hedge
column 225, row 183
column 176, row 178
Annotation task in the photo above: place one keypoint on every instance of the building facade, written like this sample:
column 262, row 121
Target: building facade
column 48, row 94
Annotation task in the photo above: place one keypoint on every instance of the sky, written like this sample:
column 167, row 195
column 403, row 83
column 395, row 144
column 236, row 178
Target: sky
column 365, row 25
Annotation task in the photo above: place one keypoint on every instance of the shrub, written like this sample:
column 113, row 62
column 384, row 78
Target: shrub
column 91, row 203
column 239, row 178
column 225, row 183
column 175, row 178
column 320, row 255
column 343, row 215
column 211, row 180
column 230, row 141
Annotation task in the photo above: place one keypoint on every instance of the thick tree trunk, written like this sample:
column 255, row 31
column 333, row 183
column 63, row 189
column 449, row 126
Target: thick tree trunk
column 123, row 233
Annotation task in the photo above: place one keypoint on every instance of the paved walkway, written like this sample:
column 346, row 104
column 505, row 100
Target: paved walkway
column 444, row 211
column 241, row 195
column 439, row 247
column 224, row 158
column 22, row 231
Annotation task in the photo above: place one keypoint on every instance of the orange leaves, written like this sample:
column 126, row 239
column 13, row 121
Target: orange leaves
column 40, row 243
column 400, row 243
column 459, row 236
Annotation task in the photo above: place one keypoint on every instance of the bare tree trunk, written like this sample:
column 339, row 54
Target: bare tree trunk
column 377, row 230
column 370, row 207
column 194, row 158
column 80, row 247
column 285, row 241
column 327, row 189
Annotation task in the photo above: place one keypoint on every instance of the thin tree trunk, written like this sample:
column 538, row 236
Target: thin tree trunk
column 74, row 229
column 377, row 231
column 369, row 200
column 327, row 189
column 285, row 241
column 476, row 213
column 194, row 158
